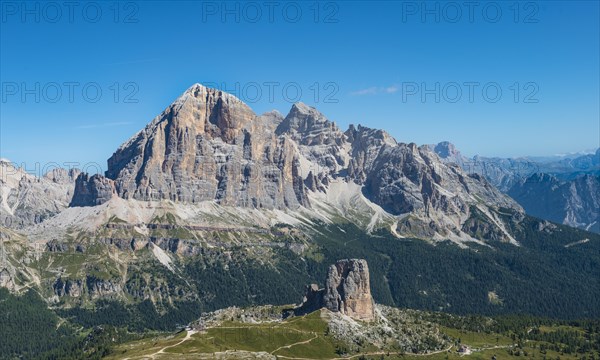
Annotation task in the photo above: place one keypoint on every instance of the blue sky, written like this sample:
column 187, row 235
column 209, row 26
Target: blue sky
column 394, row 65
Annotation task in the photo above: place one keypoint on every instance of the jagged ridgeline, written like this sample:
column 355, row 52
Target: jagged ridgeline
column 563, row 189
column 211, row 205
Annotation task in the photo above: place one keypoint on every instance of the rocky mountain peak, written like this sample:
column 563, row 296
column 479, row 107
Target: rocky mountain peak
column 300, row 107
column 209, row 145
column 366, row 136
column 214, row 111
column 449, row 154
column 307, row 126
column 446, row 149
column 200, row 91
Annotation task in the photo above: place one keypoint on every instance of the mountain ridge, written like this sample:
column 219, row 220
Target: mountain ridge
column 563, row 190
column 210, row 146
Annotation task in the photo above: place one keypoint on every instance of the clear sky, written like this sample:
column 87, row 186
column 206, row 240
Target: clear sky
column 424, row 71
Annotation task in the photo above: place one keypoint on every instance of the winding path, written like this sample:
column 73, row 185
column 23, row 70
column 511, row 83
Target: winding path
column 294, row 344
column 186, row 338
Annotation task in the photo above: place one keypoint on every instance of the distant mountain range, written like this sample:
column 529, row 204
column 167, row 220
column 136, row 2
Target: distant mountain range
column 563, row 189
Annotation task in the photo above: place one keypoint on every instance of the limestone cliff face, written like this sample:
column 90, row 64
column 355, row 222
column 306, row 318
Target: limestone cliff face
column 209, row 145
column 319, row 141
column 347, row 291
column 92, row 190
column 410, row 179
column 26, row 199
column 90, row 286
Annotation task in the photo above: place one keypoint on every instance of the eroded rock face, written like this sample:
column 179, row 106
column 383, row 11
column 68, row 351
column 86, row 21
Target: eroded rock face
column 6, row 279
column 347, row 291
column 68, row 287
column 209, row 145
column 26, row 199
column 410, row 179
column 92, row 190
column 91, row 286
column 319, row 140
column 56, row 246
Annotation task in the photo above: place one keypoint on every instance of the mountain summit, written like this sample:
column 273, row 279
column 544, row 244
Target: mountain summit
column 209, row 145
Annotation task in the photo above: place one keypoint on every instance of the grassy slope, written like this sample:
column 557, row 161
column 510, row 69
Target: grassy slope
column 307, row 338
column 298, row 337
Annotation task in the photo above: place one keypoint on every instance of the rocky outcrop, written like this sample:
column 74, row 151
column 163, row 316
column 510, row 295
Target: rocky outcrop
column 26, row 199
column 91, row 286
column 7, row 278
column 101, row 287
column 347, row 291
column 92, row 190
column 57, row 246
column 68, row 287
